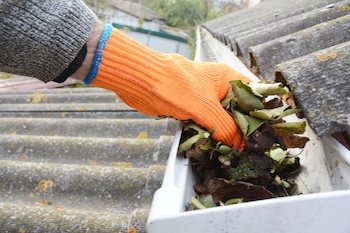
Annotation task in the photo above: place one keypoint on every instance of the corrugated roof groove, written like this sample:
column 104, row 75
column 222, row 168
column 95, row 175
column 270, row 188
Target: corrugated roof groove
column 304, row 76
column 104, row 161
column 269, row 54
column 243, row 41
column 225, row 27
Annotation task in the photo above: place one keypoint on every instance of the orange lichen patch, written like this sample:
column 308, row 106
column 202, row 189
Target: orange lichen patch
column 142, row 135
column 327, row 56
column 93, row 162
column 13, row 132
column 63, row 114
column 20, row 230
column 42, row 202
column 36, row 97
column 61, row 207
column 344, row 7
column 73, row 103
column 20, row 200
column 117, row 100
column 24, row 156
column 45, row 98
column 80, row 109
column 132, row 230
column 44, row 184
column 31, row 195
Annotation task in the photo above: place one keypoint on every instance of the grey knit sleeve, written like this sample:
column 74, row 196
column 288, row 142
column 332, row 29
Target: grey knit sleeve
column 40, row 38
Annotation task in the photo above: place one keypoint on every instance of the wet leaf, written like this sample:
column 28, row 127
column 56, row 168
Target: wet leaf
column 246, row 100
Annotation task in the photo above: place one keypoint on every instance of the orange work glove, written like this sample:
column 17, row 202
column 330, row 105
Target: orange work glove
column 166, row 85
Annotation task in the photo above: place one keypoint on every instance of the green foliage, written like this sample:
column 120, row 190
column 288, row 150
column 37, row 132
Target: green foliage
column 184, row 14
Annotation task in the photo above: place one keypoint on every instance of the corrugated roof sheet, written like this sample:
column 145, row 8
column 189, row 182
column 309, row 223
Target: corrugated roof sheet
column 302, row 43
column 78, row 160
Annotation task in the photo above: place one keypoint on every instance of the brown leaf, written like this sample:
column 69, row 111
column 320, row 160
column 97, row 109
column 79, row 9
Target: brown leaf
column 262, row 139
column 222, row 190
column 292, row 140
column 196, row 152
column 239, row 189
column 274, row 103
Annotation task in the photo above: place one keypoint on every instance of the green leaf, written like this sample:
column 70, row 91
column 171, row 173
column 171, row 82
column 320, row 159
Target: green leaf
column 186, row 145
column 290, row 127
column 208, row 201
column 234, row 201
column 209, row 145
column 253, row 124
column 193, row 126
column 242, row 122
column 247, row 124
column 246, row 100
column 268, row 114
column 226, row 102
column 266, row 89
column 278, row 154
column 197, row 203
column 223, row 149
column 289, row 112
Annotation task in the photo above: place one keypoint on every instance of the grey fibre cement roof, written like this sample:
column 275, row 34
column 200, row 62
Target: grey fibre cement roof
column 302, row 43
column 78, row 160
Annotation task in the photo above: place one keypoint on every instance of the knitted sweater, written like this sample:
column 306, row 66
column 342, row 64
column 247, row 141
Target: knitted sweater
column 40, row 38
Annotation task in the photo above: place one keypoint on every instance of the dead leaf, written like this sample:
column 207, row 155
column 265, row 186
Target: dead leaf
column 222, row 190
column 197, row 152
column 293, row 141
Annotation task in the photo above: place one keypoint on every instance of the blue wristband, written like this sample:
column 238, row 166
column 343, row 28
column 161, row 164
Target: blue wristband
column 98, row 56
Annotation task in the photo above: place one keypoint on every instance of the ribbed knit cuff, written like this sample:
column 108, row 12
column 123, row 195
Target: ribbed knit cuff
column 98, row 56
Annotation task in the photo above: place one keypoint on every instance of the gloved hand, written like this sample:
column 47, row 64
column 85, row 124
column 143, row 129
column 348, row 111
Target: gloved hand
column 166, row 85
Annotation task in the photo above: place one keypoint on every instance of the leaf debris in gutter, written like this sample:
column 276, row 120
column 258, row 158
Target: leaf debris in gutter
column 264, row 168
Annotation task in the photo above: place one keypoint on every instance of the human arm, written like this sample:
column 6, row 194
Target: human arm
column 157, row 84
